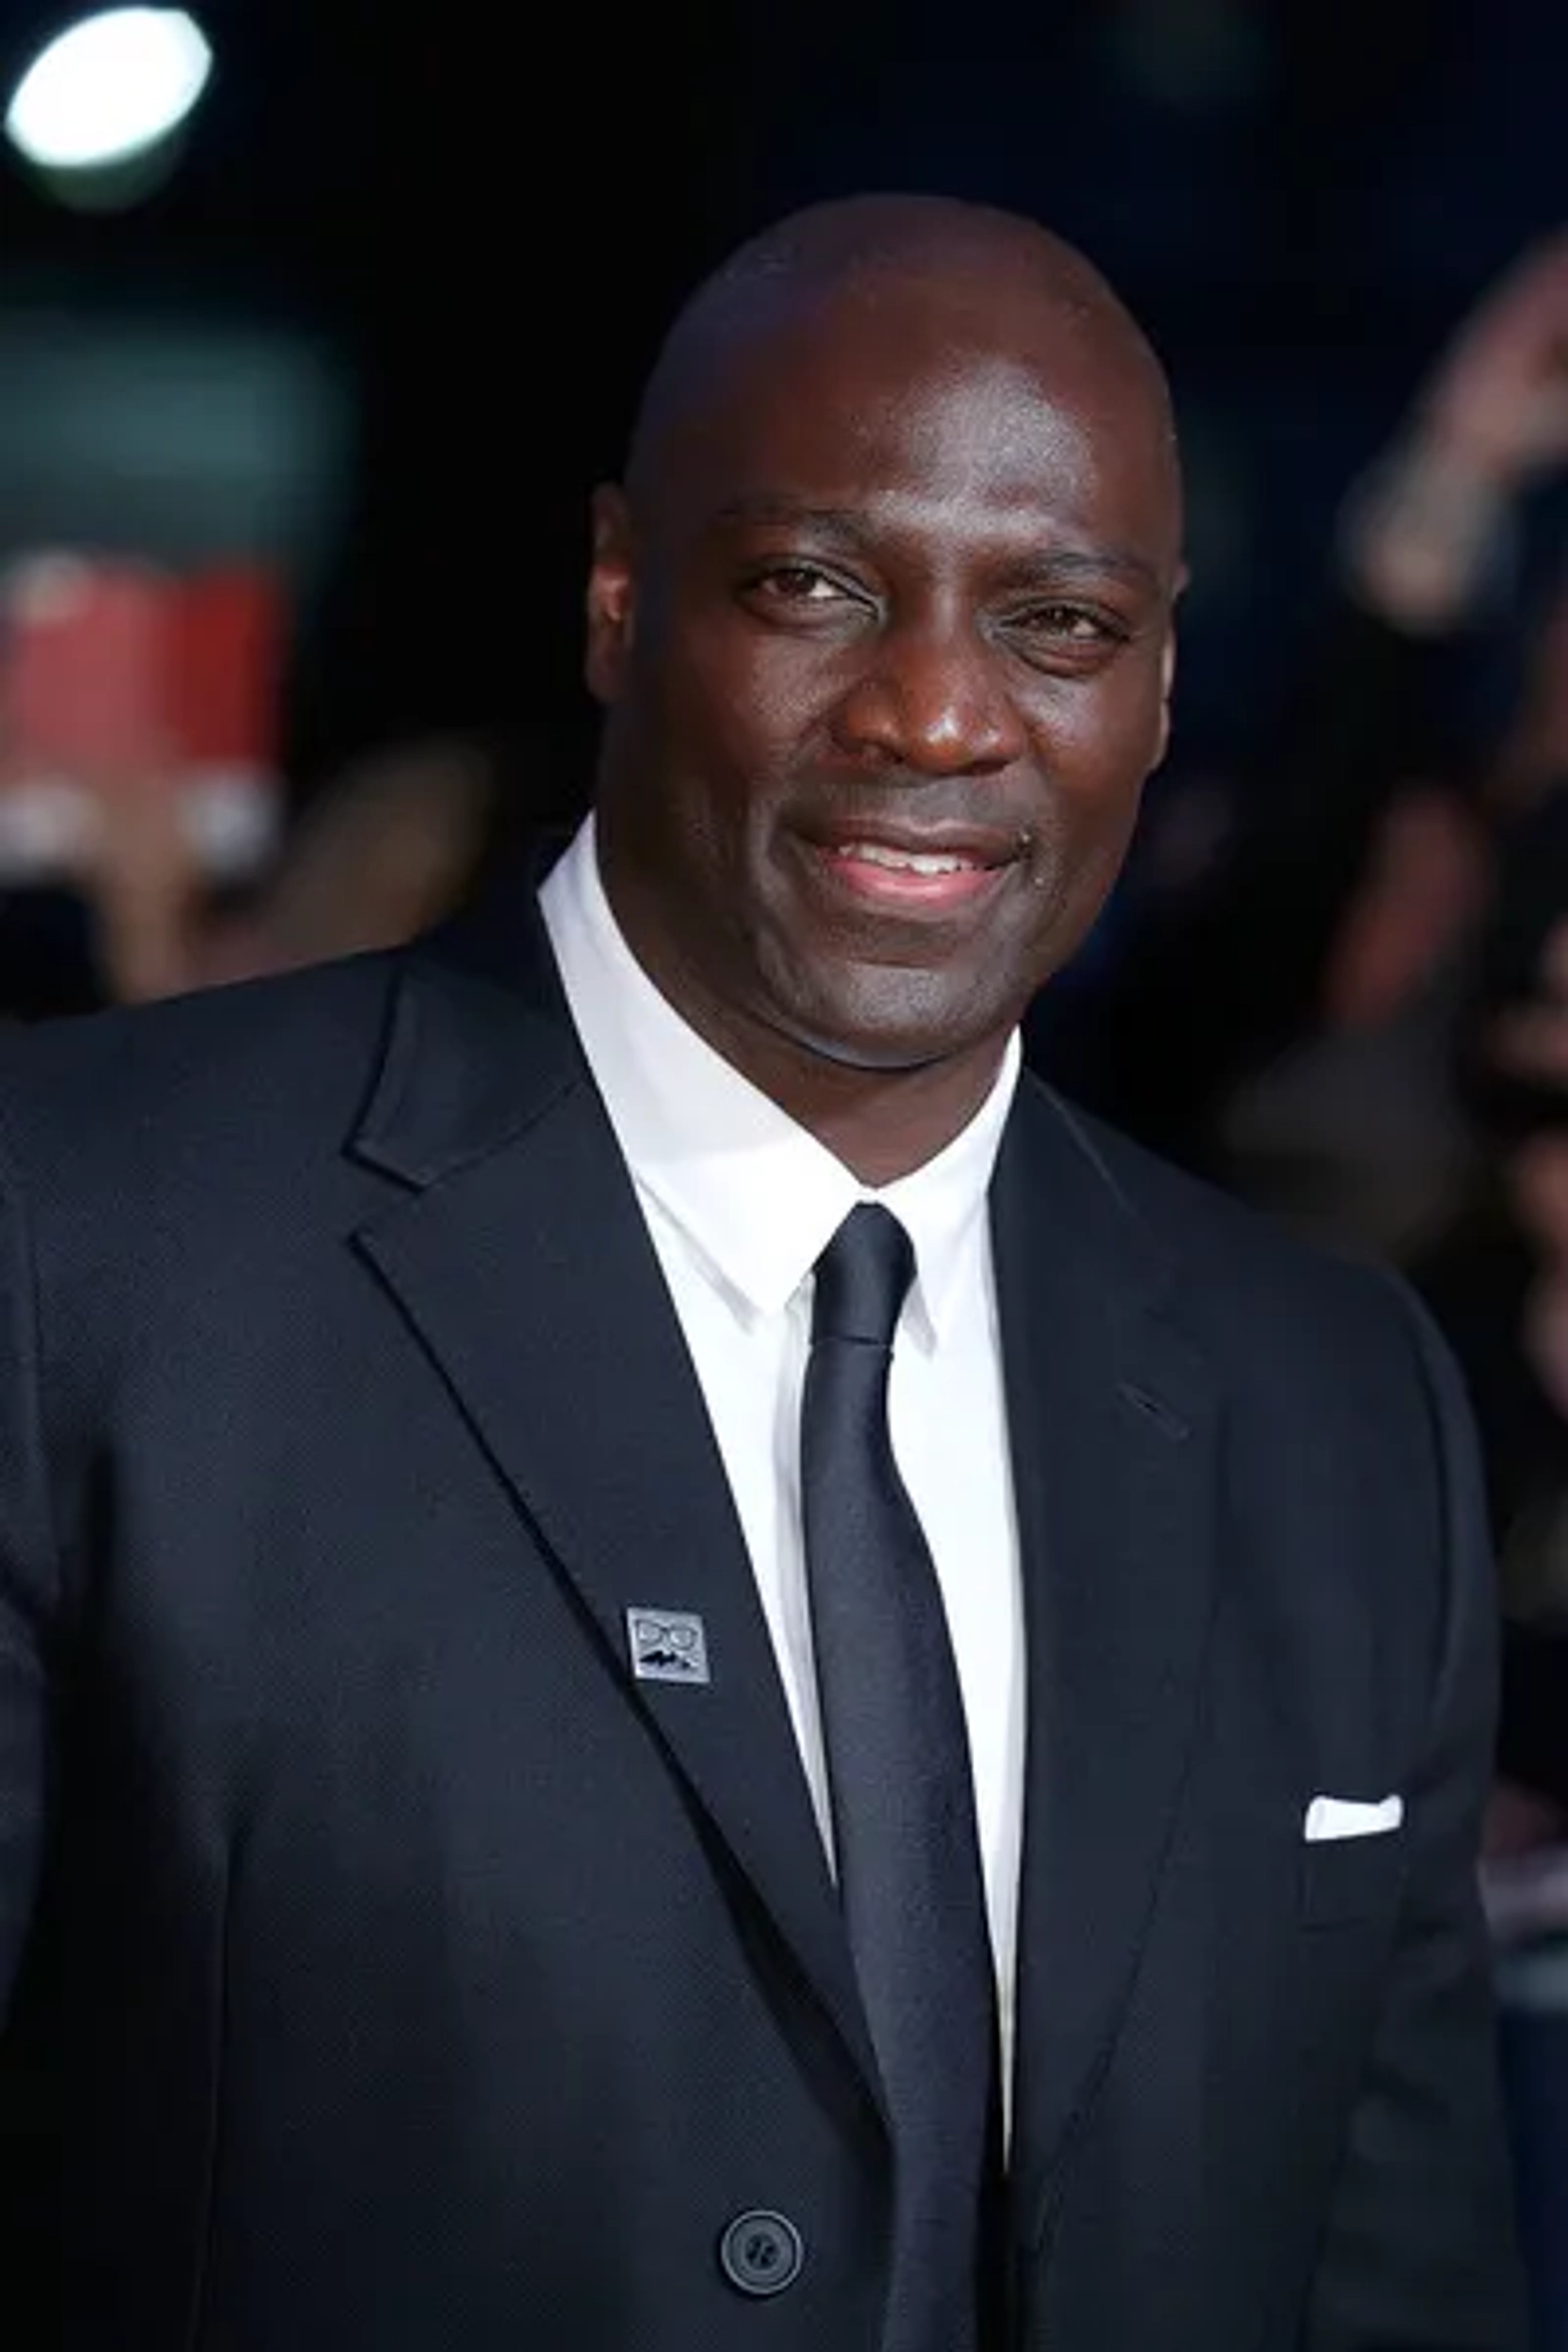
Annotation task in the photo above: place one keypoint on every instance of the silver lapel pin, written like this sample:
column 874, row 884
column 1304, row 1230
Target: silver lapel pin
column 668, row 1646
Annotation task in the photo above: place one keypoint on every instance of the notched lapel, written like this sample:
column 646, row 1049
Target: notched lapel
column 1113, row 1430
column 524, row 1264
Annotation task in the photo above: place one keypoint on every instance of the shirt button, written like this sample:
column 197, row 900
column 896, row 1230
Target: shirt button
column 762, row 2253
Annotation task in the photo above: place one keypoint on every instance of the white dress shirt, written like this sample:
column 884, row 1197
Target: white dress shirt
column 740, row 1203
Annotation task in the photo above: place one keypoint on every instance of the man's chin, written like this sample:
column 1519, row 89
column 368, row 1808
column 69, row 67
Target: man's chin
column 893, row 1040
column 874, row 1056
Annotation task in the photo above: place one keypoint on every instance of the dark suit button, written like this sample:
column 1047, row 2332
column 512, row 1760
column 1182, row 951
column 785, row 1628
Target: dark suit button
column 762, row 2253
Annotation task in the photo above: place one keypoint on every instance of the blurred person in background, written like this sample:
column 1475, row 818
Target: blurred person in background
column 406, row 835
column 1312, row 1031
column 1288, row 1024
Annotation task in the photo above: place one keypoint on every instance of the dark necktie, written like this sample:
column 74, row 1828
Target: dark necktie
column 902, row 1793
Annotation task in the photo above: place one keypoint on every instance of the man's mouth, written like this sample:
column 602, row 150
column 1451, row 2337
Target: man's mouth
column 909, row 861
column 909, row 877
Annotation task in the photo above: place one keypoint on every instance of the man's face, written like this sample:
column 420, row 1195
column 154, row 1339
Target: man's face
column 885, row 648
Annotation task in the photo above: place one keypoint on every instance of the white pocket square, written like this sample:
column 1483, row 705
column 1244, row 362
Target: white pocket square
column 1350, row 1817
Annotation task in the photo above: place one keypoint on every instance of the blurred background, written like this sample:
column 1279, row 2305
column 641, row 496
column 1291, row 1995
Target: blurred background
column 318, row 320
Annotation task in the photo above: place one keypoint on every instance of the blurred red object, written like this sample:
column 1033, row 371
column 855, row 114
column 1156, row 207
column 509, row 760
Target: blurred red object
column 86, row 672
column 224, row 663
column 120, row 678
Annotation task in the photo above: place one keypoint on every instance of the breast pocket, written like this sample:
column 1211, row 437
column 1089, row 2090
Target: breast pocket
column 1345, row 1879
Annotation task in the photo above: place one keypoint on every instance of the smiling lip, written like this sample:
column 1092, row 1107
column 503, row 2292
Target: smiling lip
column 915, row 872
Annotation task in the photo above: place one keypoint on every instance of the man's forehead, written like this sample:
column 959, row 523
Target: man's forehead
column 877, row 356
column 858, row 419
column 863, row 382
column 906, row 334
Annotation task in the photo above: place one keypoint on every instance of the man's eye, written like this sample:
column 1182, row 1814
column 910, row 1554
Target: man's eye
column 1075, row 622
column 799, row 583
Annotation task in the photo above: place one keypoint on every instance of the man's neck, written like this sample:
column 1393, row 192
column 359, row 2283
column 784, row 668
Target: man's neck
column 882, row 1123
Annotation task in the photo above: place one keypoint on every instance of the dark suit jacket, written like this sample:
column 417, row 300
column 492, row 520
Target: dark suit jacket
column 389, row 1970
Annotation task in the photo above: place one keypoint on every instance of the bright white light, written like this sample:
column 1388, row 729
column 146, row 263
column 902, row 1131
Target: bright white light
column 109, row 88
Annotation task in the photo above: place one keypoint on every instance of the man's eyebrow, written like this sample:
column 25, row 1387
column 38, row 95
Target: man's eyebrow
column 765, row 505
column 852, row 529
column 1076, row 562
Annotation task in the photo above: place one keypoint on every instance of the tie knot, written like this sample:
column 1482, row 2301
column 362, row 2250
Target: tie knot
column 863, row 1277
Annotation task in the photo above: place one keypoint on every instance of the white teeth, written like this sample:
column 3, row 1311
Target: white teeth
column 907, row 861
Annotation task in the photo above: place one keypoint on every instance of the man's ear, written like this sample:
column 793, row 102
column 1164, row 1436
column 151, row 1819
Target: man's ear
column 611, row 595
column 1168, row 670
column 1167, row 680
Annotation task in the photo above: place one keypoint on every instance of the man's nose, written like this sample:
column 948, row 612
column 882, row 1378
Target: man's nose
column 932, row 697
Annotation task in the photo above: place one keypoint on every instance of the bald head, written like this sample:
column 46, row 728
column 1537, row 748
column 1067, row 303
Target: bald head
column 980, row 275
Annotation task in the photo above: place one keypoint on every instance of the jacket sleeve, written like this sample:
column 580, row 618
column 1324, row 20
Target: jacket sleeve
column 29, row 1592
column 1419, row 2252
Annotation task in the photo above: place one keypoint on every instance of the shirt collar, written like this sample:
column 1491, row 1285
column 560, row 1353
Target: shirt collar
column 755, row 1194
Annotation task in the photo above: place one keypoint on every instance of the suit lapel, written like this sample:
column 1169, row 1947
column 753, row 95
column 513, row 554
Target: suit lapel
column 1112, row 1434
column 521, row 1260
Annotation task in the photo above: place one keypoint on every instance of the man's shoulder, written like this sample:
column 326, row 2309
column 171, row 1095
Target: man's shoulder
column 1188, row 1213
column 1239, row 1273
column 265, row 1053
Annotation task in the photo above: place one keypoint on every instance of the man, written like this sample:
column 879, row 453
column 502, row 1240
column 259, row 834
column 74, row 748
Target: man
column 543, row 1799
